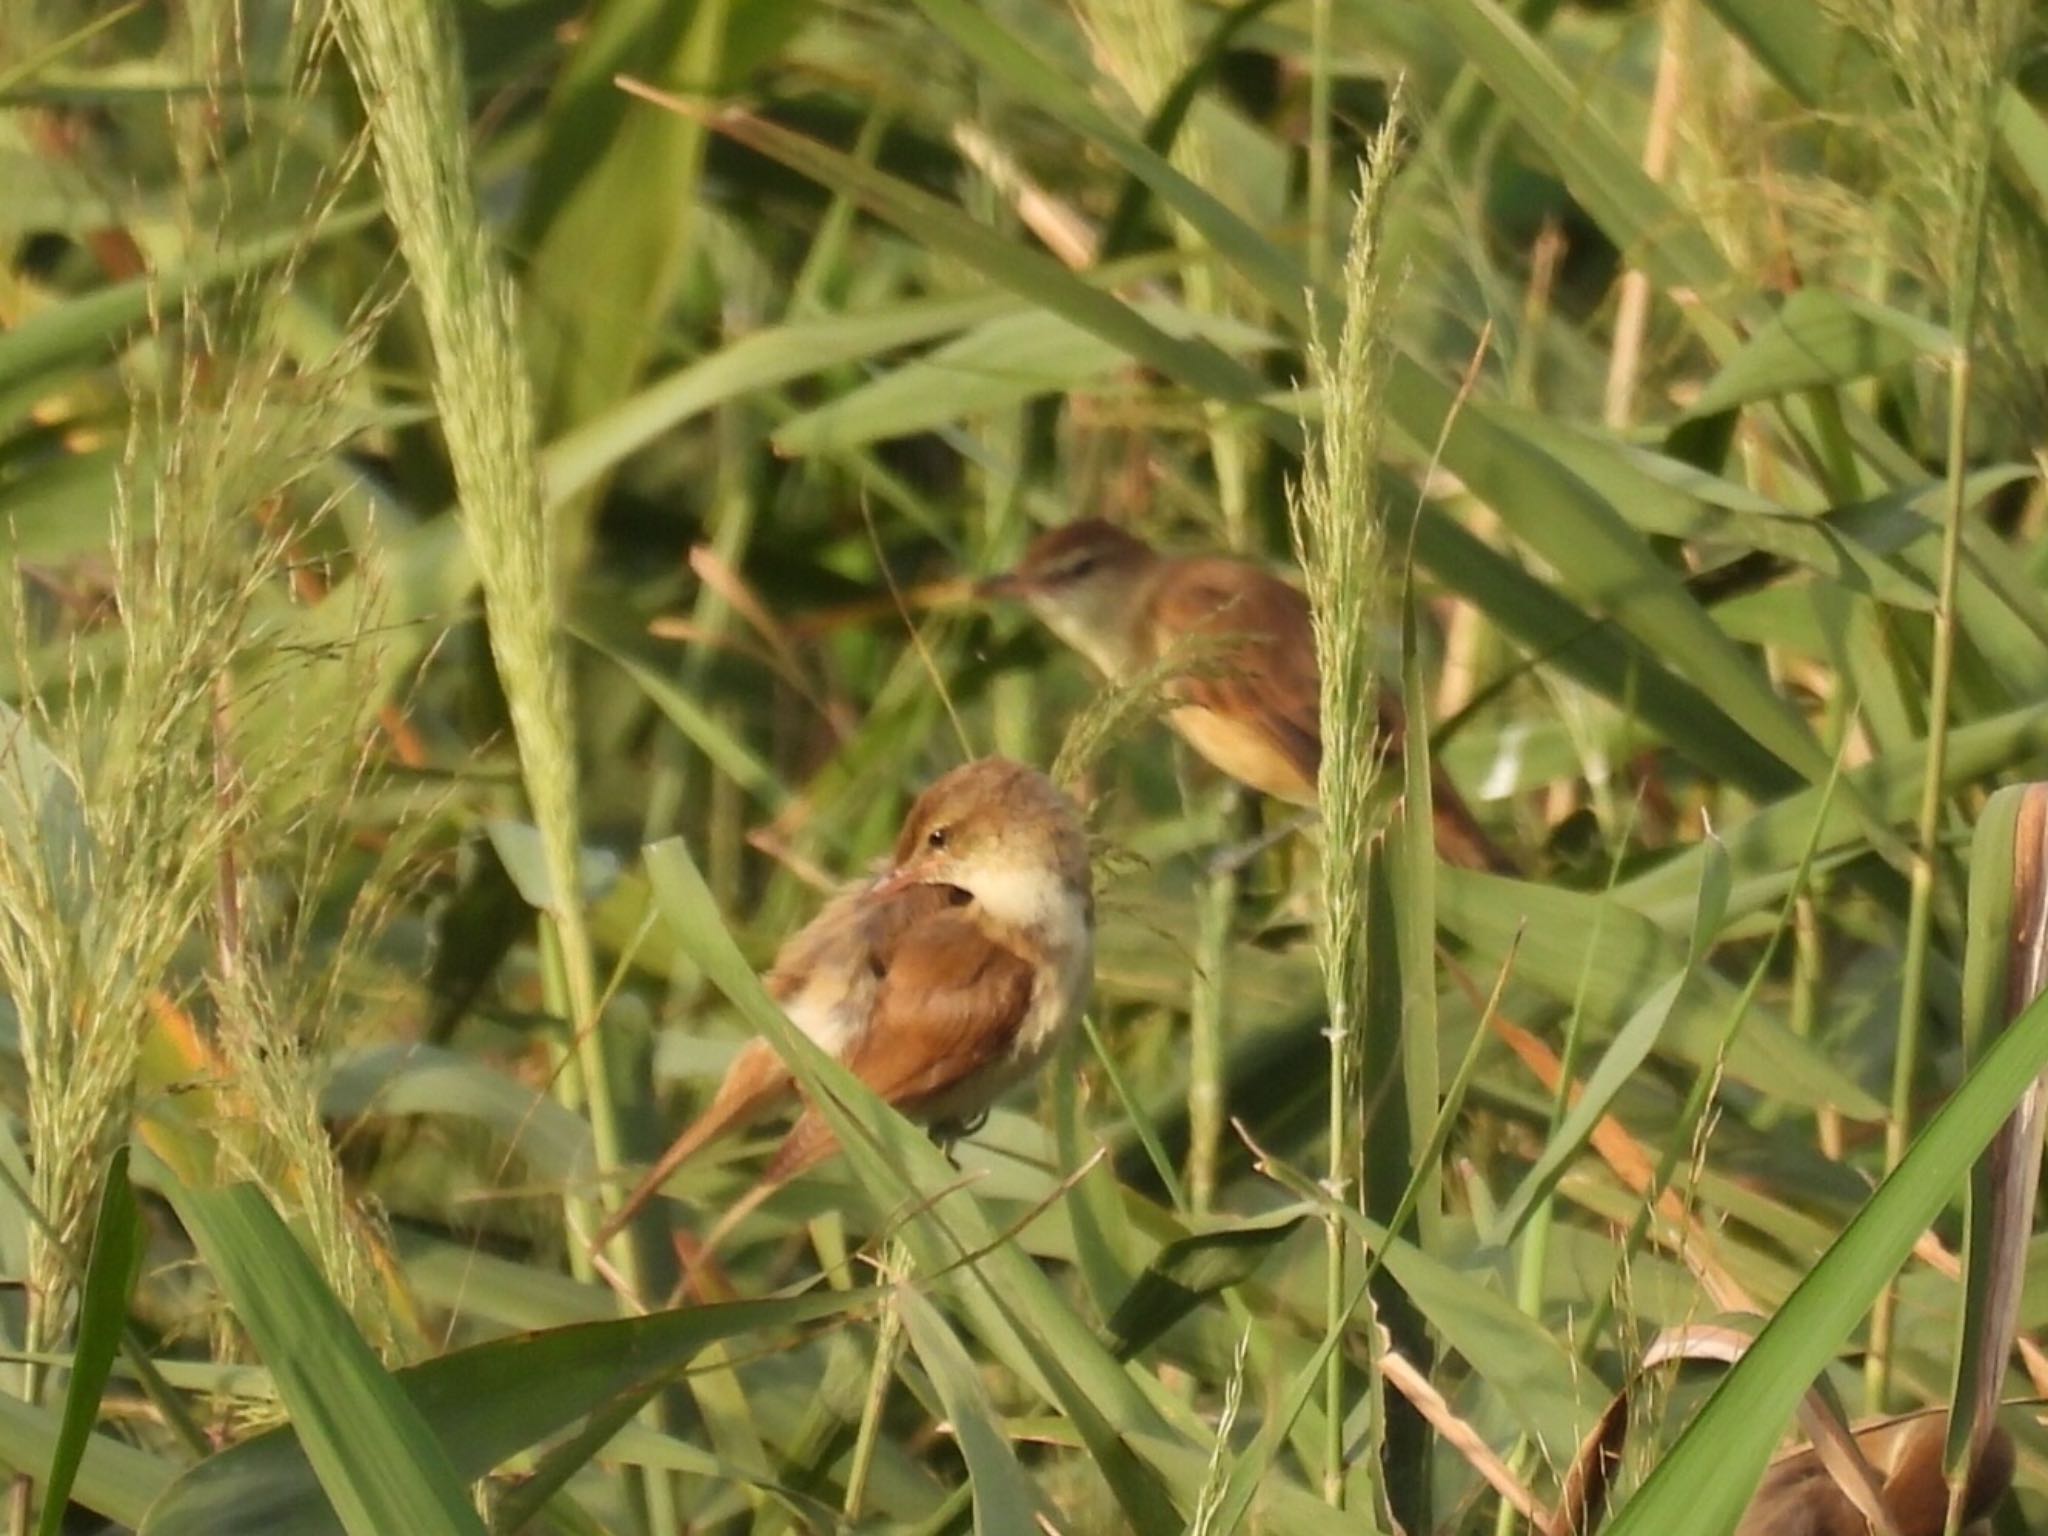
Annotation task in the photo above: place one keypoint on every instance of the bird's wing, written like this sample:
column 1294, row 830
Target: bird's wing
column 949, row 1004
column 825, row 976
column 1267, row 670
column 1267, row 674
column 1800, row 1497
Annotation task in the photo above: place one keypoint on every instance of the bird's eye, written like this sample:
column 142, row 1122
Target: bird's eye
column 936, row 838
column 1082, row 567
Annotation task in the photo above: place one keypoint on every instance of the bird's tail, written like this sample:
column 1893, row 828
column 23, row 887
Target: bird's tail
column 809, row 1142
column 756, row 1083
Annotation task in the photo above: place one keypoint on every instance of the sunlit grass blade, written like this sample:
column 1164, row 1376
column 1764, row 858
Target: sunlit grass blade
column 1625, row 1054
column 483, row 1404
column 1006, row 1501
column 1024, row 272
column 113, row 1479
column 110, row 1271
column 379, row 1464
column 1706, row 1479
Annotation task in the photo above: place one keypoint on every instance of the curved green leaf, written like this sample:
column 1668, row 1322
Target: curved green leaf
column 379, row 1464
column 110, row 1271
column 482, row 1404
column 1705, row 1482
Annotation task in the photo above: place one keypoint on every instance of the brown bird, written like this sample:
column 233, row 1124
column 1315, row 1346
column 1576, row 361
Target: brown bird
column 938, row 984
column 1800, row 1498
column 1257, row 714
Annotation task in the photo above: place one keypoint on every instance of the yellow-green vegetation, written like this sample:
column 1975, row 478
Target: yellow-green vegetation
column 493, row 494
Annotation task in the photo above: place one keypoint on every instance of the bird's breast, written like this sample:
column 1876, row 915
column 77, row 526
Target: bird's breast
column 832, row 1009
column 1244, row 751
column 1056, row 1001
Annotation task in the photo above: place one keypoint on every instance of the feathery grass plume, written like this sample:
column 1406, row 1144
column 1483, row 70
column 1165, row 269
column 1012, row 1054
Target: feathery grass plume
column 1120, row 708
column 285, row 947
column 1209, row 1502
column 1951, row 60
column 403, row 59
column 290, row 725
column 113, row 787
column 1341, row 541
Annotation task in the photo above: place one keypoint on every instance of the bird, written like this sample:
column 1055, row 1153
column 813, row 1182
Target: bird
column 1256, row 714
column 1800, row 1497
column 939, row 983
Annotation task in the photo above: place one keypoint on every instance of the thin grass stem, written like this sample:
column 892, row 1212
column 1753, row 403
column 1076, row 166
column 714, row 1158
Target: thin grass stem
column 1319, row 143
column 1215, row 902
column 1927, row 831
column 888, row 1340
column 1340, row 535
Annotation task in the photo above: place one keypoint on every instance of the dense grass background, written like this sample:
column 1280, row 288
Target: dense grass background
column 489, row 550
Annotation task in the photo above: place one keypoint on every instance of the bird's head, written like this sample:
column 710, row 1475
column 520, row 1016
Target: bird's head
column 1082, row 580
column 1004, row 837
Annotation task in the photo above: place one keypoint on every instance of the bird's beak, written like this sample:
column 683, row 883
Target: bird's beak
column 901, row 878
column 1002, row 584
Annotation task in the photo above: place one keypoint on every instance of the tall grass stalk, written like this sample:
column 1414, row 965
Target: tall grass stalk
column 1952, row 59
column 404, row 64
column 1341, row 541
column 888, row 1344
column 1632, row 312
column 403, row 59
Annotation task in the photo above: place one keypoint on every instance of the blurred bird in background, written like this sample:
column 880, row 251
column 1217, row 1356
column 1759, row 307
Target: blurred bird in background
column 1256, row 712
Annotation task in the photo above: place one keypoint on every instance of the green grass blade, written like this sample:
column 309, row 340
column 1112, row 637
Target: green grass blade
column 110, row 1271
column 1024, row 272
column 1126, row 220
column 1626, row 1052
column 1819, row 338
column 1415, row 931
column 1609, row 564
column 1006, row 1500
column 86, row 326
column 756, row 362
column 996, row 366
column 114, row 1479
column 1572, row 950
column 1706, row 1480
column 733, row 757
column 1281, row 280
column 1189, row 1270
column 2002, row 968
column 1653, row 232
column 1764, row 848
column 482, row 1404
column 379, row 1464
column 1561, row 634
